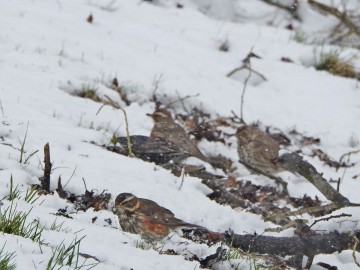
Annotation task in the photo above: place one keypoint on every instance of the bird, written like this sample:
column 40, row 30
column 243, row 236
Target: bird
column 149, row 149
column 145, row 217
column 258, row 150
column 166, row 129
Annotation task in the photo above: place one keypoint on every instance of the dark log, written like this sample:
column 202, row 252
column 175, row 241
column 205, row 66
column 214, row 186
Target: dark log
column 282, row 246
column 309, row 246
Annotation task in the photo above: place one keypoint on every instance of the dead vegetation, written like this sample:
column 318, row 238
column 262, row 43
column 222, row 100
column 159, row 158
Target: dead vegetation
column 333, row 63
column 231, row 189
column 348, row 19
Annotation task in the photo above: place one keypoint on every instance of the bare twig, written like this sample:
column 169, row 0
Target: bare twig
column 323, row 208
column 102, row 106
column 45, row 181
column 156, row 84
column 116, row 105
column 328, row 160
column 2, row 109
column 292, row 9
column 182, row 102
column 244, row 67
column 244, row 89
column 127, row 131
column 9, row 144
column 341, row 16
column 182, row 176
column 180, row 99
column 356, row 243
column 348, row 154
column 328, row 218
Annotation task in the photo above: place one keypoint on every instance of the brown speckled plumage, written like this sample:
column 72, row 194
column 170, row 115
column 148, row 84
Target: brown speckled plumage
column 146, row 217
column 258, row 150
column 166, row 129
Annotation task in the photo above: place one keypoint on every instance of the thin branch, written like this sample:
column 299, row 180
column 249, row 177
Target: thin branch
column 356, row 240
column 322, row 208
column 2, row 109
column 348, row 154
column 182, row 102
column 292, row 9
column 117, row 106
column 181, row 99
column 182, row 176
column 156, row 84
column 341, row 16
column 244, row 90
column 328, row 218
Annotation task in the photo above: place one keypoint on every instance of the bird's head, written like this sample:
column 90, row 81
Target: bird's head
column 160, row 115
column 127, row 201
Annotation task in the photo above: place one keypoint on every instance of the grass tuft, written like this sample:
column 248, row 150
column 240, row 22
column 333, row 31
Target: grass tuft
column 14, row 192
column 31, row 194
column 89, row 92
column 6, row 259
column 59, row 227
column 14, row 222
column 68, row 256
column 332, row 62
column 300, row 36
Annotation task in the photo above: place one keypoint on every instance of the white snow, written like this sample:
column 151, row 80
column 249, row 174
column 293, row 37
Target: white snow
column 49, row 51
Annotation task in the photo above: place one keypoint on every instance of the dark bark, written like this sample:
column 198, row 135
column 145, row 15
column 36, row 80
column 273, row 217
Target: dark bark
column 310, row 245
column 45, row 180
column 295, row 164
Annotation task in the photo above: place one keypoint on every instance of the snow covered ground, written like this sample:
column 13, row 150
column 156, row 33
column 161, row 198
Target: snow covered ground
column 48, row 50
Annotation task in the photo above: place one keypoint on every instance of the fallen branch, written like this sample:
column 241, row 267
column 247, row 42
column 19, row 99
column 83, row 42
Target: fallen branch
column 283, row 246
column 295, row 164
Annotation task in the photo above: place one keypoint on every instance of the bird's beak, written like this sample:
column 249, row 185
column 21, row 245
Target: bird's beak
column 149, row 114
